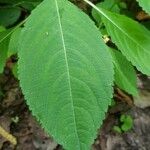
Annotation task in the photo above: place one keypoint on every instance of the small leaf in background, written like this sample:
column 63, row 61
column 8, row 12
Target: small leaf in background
column 4, row 42
column 9, row 16
column 66, row 73
column 145, row 4
column 117, row 129
column 29, row 6
column 127, row 122
column 13, row 44
column 130, row 37
column 15, row 2
column 125, row 75
column 25, row 4
column 122, row 5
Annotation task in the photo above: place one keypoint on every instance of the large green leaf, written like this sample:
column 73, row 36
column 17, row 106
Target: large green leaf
column 145, row 4
column 125, row 76
column 131, row 38
column 65, row 72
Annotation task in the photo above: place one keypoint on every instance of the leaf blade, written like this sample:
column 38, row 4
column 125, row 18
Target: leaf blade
column 4, row 42
column 9, row 16
column 13, row 44
column 125, row 76
column 130, row 37
column 70, row 68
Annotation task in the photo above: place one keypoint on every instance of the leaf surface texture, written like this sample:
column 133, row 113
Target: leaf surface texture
column 65, row 72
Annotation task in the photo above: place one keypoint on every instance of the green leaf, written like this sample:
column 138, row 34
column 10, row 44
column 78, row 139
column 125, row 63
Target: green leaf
column 19, row 1
column 130, row 37
column 15, row 70
column 111, row 5
column 8, row 16
column 65, row 72
column 145, row 4
column 2, row 28
column 13, row 44
column 125, row 76
column 25, row 4
column 117, row 129
column 4, row 42
column 127, row 122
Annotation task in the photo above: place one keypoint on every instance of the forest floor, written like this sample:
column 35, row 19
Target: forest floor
column 16, row 119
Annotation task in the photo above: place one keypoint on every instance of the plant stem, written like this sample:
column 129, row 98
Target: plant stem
column 94, row 6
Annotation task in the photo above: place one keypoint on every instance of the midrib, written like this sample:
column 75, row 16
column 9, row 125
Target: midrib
column 67, row 67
